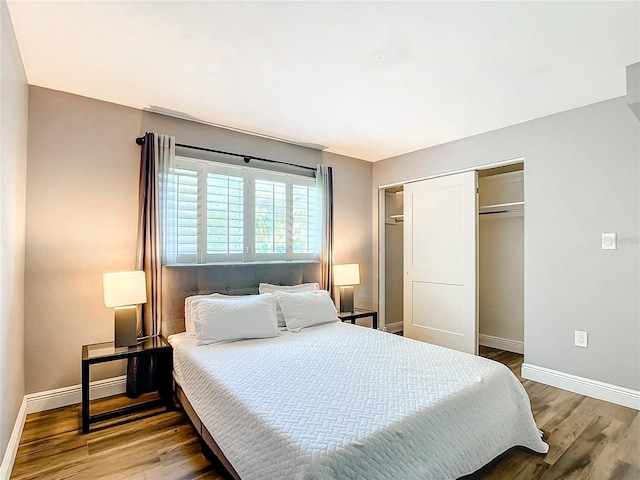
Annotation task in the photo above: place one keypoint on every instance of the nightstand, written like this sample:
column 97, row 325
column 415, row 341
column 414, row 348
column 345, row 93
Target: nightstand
column 156, row 347
column 359, row 313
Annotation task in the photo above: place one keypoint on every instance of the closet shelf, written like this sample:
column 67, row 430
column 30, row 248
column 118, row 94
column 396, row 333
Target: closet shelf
column 502, row 208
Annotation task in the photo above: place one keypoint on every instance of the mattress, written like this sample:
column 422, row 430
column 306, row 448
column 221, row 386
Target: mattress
column 340, row 401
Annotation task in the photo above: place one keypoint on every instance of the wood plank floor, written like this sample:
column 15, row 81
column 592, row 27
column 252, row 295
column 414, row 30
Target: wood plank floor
column 588, row 439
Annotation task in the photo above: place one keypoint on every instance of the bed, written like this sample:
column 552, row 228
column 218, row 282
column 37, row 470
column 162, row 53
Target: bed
column 340, row 401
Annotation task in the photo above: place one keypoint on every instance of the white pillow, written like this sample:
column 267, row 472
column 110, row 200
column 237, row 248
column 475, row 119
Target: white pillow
column 304, row 309
column 218, row 319
column 270, row 288
column 188, row 311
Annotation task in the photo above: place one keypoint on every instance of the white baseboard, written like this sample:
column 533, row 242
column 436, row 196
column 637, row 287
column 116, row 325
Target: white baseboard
column 584, row 386
column 62, row 397
column 9, row 456
column 501, row 343
column 394, row 327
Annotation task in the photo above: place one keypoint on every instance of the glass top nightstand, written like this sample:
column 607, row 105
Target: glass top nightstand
column 155, row 347
column 359, row 313
column 107, row 351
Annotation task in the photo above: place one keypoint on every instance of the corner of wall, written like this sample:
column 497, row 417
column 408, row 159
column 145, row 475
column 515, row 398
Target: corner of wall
column 13, row 160
column 9, row 454
column 353, row 242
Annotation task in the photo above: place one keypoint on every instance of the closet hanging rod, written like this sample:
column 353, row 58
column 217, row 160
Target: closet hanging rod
column 504, row 205
column 246, row 158
column 515, row 210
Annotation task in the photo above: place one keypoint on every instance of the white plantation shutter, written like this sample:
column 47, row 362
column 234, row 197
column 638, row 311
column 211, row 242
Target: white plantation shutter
column 225, row 213
column 182, row 214
column 306, row 219
column 224, row 216
column 270, row 219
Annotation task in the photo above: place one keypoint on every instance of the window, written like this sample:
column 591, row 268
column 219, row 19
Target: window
column 224, row 213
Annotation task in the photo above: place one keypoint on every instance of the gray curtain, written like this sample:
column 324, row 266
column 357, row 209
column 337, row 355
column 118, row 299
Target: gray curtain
column 324, row 181
column 156, row 157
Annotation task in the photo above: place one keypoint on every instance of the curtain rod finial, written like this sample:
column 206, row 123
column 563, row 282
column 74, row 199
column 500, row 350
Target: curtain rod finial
column 140, row 140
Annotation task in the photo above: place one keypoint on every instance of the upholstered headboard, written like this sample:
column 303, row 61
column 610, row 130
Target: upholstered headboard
column 182, row 281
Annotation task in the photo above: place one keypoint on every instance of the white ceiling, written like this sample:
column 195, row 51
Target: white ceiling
column 366, row 79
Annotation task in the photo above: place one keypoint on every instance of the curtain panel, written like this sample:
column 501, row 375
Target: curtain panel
column 158, row 153
column 156, row 157
column 324, row 181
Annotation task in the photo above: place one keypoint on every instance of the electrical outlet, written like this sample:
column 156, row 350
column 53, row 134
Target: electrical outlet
column 581, row 339
column 608, row 241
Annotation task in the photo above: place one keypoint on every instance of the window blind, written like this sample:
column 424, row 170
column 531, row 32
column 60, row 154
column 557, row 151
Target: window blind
column 224, row 213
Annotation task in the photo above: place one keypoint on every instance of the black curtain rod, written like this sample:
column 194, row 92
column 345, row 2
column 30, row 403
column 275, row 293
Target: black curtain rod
column 247, row 158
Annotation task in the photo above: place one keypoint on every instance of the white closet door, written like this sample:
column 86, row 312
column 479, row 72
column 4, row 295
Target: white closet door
column 440, row 258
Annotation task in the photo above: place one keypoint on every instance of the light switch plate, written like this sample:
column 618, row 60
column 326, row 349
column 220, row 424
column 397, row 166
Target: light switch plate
column 581, row 339
column 608, row 241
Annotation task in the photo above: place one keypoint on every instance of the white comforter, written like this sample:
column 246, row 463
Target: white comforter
column 339, row 401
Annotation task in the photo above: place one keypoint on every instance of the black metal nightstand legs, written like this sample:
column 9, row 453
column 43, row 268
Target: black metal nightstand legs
column 164, row 383
column 359, row 313
column 155, row 348
column 85, row 398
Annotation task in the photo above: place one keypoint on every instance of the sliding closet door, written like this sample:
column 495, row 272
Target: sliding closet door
column 440, row 255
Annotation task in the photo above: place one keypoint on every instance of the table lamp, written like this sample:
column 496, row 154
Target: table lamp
column 346, row 276
column 123, row 291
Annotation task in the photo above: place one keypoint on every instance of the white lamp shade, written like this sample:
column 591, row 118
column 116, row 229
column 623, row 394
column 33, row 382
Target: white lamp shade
column 348, row 274
column 124, row 288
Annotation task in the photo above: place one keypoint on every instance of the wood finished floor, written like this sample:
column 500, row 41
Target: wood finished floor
column 588, row 439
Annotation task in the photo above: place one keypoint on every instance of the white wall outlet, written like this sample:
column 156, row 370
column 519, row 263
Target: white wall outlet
column 581, row 339
column 608, row 241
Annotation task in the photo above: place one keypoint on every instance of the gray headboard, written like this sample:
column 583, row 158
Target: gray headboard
column 182, row 281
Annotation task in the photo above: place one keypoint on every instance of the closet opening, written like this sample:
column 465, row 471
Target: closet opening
column 501, row 210
column 391, row 260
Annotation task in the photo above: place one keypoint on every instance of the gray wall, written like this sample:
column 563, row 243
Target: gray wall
column 13, row 164
column 82, row 218
column 82, row 212
column 202, row 135
column 582, row 179
column 353, row 214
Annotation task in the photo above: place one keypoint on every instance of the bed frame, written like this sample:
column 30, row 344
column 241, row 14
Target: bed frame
column 181, row 281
